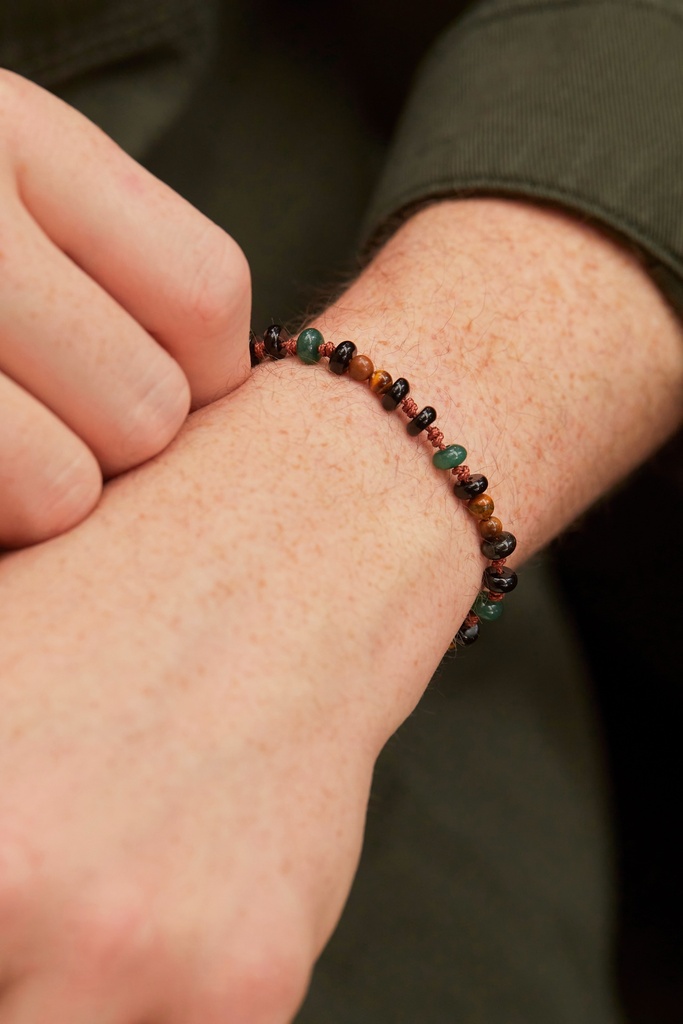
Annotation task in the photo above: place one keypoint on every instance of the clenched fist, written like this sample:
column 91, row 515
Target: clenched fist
column 121, row 306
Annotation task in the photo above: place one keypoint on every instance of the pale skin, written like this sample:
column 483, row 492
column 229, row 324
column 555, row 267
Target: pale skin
column 196, row 681
column 121, row 306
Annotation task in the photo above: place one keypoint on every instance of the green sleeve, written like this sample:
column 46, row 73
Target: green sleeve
column 129, row 67
column 577, row 102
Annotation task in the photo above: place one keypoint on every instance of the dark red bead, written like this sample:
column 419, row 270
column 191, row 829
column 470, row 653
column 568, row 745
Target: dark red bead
column 499, row 546
column 500, row 581
column 476, row 484
column 392, row 398
column 273, row 339
column 342, row 356
column 252, row 351
column 424, row 419
column 467, row 635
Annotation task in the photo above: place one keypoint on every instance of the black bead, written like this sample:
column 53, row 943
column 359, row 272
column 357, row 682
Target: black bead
column 476, row 484
column 424, row 419
column 500, row 581
column 392, row 398
column 273, row 339
column 466, row 635
column 500, row 545
column 342, row 356
column 252, row 350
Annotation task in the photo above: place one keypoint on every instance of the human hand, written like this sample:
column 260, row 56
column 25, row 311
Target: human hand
column 181, row 816
column 192, row 707
column 120, row 306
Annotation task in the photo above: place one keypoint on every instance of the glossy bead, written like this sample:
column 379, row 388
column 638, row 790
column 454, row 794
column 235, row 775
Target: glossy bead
column 450, row 457
column 466, row 635
column 500, row 581
column 395, row 395
column 476, row 484
column 490, row 527
column 482, row 506
column 342, row 356
column 273, row 338
column 361, row 367
column 308, row 345
column 424, row 419
column 487, row 610
column 499, row 546
column 380, row 382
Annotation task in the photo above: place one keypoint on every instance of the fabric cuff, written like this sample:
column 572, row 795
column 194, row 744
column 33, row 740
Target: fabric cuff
column 576, row 103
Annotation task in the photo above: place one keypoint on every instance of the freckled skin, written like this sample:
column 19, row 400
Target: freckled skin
column 191, row 712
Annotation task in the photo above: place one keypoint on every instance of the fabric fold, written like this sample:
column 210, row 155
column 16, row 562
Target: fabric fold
column 576, row 103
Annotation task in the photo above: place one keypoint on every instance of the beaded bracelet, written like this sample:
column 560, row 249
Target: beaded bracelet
column 497, row 543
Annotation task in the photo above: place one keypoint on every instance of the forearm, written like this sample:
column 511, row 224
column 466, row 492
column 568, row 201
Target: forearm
column 544, row 346
column 294, row 528
column 196, row 681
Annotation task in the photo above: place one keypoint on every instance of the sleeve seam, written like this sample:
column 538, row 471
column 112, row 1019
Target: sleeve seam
column 446, row 188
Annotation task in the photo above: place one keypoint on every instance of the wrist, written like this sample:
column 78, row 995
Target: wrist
column 387, row 562
column 544, row 346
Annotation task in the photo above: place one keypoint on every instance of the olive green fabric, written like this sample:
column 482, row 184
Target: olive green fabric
column 128, row 66
column 484, row 894
column 579, row 102
column 572, row 101
column 485, row 889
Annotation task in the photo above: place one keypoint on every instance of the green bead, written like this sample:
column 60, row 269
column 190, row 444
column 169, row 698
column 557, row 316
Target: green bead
column 487, row 610
column 308, row 344
column 449, row 458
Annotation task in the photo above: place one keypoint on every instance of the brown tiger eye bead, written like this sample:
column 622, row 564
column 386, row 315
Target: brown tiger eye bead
column 482, row 506
column 361, row 367
column 489, row 527
column 380, row 382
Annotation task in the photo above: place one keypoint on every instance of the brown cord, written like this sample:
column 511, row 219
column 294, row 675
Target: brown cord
column 434, row 434
column 409, row 407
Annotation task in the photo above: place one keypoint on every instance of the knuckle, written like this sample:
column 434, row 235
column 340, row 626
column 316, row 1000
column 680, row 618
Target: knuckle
column 261, row 989
column 219, row 284
column 158, row 413
column 111, row 927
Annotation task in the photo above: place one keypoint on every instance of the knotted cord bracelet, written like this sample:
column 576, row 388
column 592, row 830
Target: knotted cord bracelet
column 497, row 543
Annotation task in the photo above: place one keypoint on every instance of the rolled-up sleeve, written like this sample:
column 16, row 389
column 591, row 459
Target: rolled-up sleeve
column 577, row 102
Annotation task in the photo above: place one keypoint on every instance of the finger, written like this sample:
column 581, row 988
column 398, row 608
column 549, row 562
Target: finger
column 49, row 479
column 176, row 272
column 84, row 356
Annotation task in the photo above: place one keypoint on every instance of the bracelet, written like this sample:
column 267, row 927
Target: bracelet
column 497, row 543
